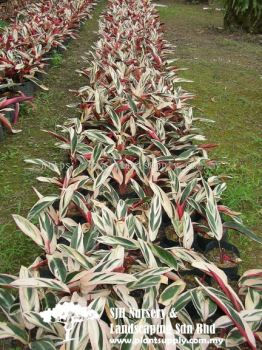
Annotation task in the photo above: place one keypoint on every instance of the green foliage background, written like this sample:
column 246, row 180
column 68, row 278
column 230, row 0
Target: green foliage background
column 244, row 13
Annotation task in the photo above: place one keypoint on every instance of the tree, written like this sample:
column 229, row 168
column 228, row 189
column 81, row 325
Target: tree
column 246, row 14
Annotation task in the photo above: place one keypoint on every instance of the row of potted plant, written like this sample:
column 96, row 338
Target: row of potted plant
column 131, row 205
column 36, row 30
column 9, row 9
column 26, row 43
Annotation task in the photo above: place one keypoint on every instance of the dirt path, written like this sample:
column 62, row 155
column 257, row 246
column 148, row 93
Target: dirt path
column 227, row 72
column 16, row 181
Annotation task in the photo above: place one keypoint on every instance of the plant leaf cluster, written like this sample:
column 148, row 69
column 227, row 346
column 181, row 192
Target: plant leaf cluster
column 134, row 164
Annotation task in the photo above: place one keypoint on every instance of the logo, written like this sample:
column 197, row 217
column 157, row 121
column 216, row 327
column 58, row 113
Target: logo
column 69, row 314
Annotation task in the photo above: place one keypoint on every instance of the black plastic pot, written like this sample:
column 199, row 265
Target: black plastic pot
column 39, row 76
column 195, row 245
column 165, row 242
column 236, row 278
column 6, row 86
column 28, row 88
column 2, row 135
column 79, row 219
column 165, row 220
column 168, row 243
column 10, row 115
column 231, row 272
column 44, row 269
column 196, row 273
column 10, row 344
column 203, row 242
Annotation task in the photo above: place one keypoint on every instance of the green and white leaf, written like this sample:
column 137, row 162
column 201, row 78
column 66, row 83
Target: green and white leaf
column 213, row 216
column 165, row 256
column 103, row 176
column 40, row 283
column 165, row 201
column 75, row 255
column 29, row 229
column 57, row 266
column 155, row 217
column 41, row 205
column 8, row 330
column 171, row 293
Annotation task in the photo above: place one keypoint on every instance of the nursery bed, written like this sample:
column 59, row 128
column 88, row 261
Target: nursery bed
column 130, row 166
column 16, row 181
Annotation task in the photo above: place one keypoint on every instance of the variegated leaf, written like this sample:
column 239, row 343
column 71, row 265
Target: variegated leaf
column 8, row 330
column 40, row 283
column 75, row 255
column 48, row 232
column 188, row 231
column 165, row 201
column 79, row 337
column 98, row 305
column 42, row 345
column 155, row 217
column 213, row 216
column 102, row 177
column 57, row 266
column 147, row 253
column 98, row 339
column 165, row 256
column 204, row 306
column 41, row 204
column 224, row 304
column 29, row 300
column 29, row 229
column 6, row 279
column 107, row 278
column 171, row 293
column 36, row 319
column 127, row 243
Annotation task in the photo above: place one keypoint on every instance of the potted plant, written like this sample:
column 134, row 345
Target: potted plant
column 103, row 251
column 225, row 255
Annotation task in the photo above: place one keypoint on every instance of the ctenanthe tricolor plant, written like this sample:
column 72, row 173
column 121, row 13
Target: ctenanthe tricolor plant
column 134, row 165
column 36, row 30
column 6, row 104
column 40, row 27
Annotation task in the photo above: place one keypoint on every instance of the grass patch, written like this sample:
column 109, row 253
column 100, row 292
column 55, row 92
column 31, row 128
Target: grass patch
column 13, row 255
column 226, row 70
column 16, row 177
column 56, row 59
